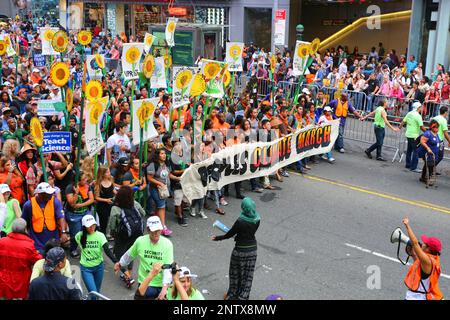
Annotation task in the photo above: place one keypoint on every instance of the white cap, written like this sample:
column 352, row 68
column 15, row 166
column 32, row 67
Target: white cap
column 35, row 70
column 416, row 105
column 306, row 91
column 88, row 221
column 4, row 188
column 44, row 187
column 154, row 223
column 7, row 83
column 185, row 272
column 327, row 108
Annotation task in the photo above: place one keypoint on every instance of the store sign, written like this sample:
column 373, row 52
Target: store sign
column 280, row 27
column 177, row 11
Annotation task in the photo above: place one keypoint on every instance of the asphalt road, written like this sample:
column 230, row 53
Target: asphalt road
column 322, row 235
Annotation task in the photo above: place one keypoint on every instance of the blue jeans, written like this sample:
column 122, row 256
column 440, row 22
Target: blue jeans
column 340, row 139
column 379, row 134
column 412, row 159
column 369, row 103
column 152, row 292
column 92, row 277
column 255, row 184
column 74, row 222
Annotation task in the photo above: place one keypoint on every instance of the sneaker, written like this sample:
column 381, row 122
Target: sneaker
column 381, row 159
column 258, row 190
column 75, row 254
column 223, row 202
column 182, row 222
column 324, row 157
column 331, row 160
column 417, row 170
column 192, row 212
column 368, row 154
column 166, row 231
column 284, row 173
column 202, row 214
column 307, row 167
column 342, row 150
column 438, row 173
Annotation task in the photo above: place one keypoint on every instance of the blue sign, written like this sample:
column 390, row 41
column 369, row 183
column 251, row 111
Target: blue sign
column 38, row 60
column 57, row 141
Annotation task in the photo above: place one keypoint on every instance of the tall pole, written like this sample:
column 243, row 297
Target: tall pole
column 274, row 12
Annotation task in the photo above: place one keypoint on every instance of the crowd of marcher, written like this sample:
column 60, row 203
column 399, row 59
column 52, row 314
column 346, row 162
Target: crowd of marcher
column 114, row 204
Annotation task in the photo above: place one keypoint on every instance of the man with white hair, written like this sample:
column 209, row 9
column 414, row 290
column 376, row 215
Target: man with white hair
column 414, row 128
column 17, row 257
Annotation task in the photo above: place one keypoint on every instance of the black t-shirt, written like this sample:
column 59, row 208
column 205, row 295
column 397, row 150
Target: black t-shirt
column 176, row 185
column 371, row 85
column 244, row 231
column 118, row 177
column 53, row 287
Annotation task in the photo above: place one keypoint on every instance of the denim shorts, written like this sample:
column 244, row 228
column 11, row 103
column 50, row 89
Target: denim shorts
column 160, row 203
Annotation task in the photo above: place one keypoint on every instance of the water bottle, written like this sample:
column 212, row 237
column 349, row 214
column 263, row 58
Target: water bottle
column 219, row 225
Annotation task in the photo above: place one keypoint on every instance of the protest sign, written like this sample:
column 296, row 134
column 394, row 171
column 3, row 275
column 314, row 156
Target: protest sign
column 213, row 71
column 57, row 141
column 38, row 60
column 131, row 59
column 158, row 79
column 234, row 56
column 50, row 107
column 149, row 128
column 170, row 31
column 93, row 69
column 182, row 81
column 46, row 35
column 301, row 55
column 148, row 41
column 253, row 160
column 94, row 112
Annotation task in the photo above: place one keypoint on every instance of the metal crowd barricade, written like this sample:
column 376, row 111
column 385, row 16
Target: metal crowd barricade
column 357, row 98
column 363, row 131
column 241, row 83
column 313, row 88
column 264, row 87
column 431, row 109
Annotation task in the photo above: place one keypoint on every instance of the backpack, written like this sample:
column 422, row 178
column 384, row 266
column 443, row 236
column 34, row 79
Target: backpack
column 131, row 225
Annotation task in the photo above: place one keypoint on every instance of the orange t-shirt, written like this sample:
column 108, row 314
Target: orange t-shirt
column 16, row 186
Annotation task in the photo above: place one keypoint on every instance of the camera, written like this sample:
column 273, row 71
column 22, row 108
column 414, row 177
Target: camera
column 172, row 266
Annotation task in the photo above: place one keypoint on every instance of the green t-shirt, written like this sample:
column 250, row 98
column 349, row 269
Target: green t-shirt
column 150, row 253
column 443, row 126
column 92, row 254
column 195, row 294
column 379, row 121
column 10, row 215
column 413, row 123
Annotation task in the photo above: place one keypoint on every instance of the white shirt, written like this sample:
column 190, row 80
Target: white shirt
column 410, row 295
column 115, row 142
column 2, row 214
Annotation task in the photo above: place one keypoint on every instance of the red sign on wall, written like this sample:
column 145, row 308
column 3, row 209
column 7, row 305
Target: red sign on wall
column 280, row 15
column 177, row 11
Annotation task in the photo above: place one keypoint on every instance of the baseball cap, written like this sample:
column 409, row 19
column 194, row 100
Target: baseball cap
column 22, row 89
column 6, row 109
column 327, row 108
column 433, row 243
column 35, row 70
column 53, row 257
column 44, row 187
column 124, row 161
column 306, row 91
column 185, row 272
column 7, row 83
column 416, row 105
column 35, row 85
column 88, row 221
column 154, row 223
column 4, row 188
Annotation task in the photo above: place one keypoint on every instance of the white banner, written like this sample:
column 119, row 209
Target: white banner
column 46, row 35
column 94, row 71
column 148, row 41
column 300, row 60
column 234, row 56
column 252, row 160
column 149, row 129
column 131, row 59
column 182, row 82
column 170, row 31
column 94, row 112
column 158, row 79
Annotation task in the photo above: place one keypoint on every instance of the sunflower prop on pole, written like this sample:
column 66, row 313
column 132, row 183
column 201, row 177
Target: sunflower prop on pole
column 38, row 137
column 210, row 71
column 3, row 47
column 273, row 63
column 84, row 38
column 197, row 88
column 148, row 68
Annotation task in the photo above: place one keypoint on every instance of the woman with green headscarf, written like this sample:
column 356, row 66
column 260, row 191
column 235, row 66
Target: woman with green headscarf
column 243, row 257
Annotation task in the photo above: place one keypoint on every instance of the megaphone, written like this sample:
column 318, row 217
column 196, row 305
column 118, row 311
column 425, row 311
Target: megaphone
column 400, row 237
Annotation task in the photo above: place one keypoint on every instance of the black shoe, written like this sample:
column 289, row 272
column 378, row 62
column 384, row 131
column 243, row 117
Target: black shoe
column 381, row 159
column 182, row 222
column 438, row 174
column 368, row 154
column 240, row 196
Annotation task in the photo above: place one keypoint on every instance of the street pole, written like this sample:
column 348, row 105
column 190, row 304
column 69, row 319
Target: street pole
column 274, row 12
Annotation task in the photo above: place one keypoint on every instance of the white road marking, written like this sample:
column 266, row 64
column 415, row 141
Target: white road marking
column 443, row 275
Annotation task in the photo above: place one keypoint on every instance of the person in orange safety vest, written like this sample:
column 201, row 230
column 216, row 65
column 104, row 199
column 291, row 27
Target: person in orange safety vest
column 422, row 279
